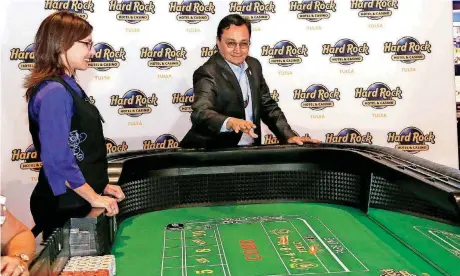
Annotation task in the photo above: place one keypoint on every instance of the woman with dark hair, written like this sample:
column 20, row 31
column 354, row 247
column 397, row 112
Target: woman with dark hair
column 66, row 128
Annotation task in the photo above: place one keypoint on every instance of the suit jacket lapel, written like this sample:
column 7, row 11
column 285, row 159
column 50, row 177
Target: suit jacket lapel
column 229, row 76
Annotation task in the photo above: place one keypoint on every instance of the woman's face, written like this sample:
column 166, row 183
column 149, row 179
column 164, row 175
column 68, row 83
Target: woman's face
column 79, row 55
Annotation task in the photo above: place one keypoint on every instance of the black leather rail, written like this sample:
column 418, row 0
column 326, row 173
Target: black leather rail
column 355, row 175
column 360, row 176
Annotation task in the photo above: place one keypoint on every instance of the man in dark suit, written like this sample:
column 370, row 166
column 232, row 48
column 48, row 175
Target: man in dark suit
column 231, row 96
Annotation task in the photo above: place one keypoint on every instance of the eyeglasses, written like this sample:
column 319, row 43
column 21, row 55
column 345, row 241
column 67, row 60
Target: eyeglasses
column 89, row 44
column 233, row 44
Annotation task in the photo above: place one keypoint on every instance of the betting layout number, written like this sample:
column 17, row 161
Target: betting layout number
column 204, row 250
column 204, row 271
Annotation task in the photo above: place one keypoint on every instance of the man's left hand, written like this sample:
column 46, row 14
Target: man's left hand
column 301, row 140
column 115, row 191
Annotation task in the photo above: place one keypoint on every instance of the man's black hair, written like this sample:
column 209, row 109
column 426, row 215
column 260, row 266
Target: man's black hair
column 232, row 19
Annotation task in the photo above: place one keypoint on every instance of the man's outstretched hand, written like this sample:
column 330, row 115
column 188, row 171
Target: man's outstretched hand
column 241, row 125
column 247, row 127
column 301, row 140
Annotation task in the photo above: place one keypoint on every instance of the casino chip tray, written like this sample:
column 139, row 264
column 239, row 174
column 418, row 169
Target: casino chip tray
column 90, row 266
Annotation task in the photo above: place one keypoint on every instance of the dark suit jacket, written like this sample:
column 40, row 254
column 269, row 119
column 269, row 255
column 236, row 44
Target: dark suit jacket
column 218, row 96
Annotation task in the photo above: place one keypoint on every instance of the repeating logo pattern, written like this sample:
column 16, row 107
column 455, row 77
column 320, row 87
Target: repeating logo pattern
column 132, row 11
column 378, row 95
column 374, row 9
column 411, row 139
column 313, row 10
column 317, row 97
column 80, row 7
column 254, row 10
column 407, row 49
column 26, row 57
column 207, row 52
column 163, row 56
column 185, row 99
column 134, row 103
column 346, row 51
column 29, row 157
column 285, row 52
column 192, row 11
column 349, row 135
column 112, row 146
column 107, row 57
column 164, row 141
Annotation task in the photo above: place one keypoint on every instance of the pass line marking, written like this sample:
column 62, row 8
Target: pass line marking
column 268, row 236
column 325, row 245
column 193, row 246
column 223, row 249
column 451, row 245
column 343, row 244
column 183, row 256
column 306, row 243
column 451, row 239
column 220, row 255
column 164, row 247
column 309, row 273
column 442, row 245
column 212, row 265
column 198, row 255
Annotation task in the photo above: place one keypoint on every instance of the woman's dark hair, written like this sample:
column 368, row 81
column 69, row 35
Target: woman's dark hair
column 232, row 19
column 56, row 34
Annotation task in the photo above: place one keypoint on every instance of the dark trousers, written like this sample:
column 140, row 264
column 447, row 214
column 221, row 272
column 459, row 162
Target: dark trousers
column 48, row 216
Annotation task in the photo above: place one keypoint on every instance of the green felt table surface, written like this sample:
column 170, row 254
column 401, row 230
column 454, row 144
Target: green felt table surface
column 285, row 239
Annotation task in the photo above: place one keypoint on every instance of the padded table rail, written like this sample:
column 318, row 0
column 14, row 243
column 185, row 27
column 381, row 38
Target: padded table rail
column 372, row 180
column 352, row 175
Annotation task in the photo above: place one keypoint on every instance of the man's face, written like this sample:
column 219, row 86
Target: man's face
column 234, row 44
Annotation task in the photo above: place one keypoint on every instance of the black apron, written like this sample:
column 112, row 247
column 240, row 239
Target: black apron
column 87, row 142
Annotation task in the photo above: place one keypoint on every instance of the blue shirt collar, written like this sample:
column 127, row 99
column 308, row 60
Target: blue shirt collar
column 237, row 68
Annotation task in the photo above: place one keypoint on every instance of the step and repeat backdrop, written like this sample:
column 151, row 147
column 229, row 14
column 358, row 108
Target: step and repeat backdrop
column 346, row 71
column 456, row 42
